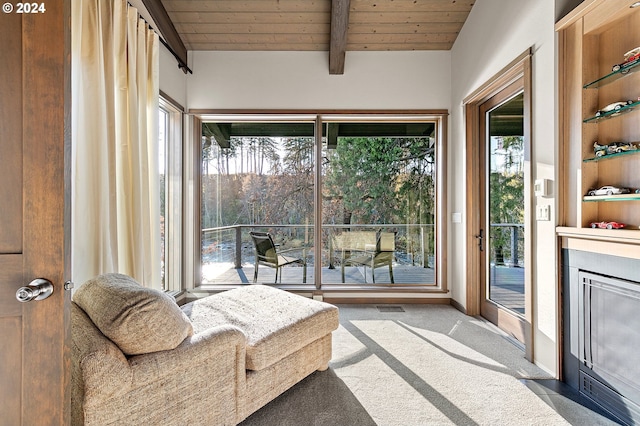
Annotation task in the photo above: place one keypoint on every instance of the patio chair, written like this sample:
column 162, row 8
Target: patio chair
column 381, row 255
column 268, row 255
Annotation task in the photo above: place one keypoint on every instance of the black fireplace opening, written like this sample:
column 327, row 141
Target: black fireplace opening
column 601, row 327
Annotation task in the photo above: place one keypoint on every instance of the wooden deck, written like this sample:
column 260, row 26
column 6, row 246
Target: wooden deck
column 402, row 274
column 506, row 287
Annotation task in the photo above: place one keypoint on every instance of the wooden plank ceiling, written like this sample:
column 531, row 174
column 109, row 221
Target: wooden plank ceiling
column 318, row 25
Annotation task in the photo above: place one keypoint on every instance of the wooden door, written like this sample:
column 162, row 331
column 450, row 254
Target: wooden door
column 512, row 80
column 34, row 354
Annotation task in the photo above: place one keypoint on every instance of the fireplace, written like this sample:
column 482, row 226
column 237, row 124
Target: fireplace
column 601, row 327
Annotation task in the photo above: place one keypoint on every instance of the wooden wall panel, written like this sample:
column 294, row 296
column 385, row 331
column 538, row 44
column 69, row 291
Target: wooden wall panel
column 10, row 142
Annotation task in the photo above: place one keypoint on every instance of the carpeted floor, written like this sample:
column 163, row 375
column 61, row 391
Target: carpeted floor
column 428, row 365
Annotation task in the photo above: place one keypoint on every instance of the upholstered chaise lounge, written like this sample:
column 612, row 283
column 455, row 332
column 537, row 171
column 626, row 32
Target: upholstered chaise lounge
column 138, row 358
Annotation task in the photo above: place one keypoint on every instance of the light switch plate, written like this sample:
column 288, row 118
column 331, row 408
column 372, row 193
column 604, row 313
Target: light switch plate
column 543, row 212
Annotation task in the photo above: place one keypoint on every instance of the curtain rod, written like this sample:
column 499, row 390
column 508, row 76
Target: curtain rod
column 181, row 64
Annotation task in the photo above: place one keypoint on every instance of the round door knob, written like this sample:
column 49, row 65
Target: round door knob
column 38, row 289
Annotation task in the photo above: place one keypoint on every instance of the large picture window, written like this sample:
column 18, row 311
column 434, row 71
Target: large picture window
column 374, row 185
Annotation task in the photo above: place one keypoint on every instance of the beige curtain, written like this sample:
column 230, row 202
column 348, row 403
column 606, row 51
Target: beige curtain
column 115, row 198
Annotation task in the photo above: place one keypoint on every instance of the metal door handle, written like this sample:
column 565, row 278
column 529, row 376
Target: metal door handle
column 480, row 238
column 38, row 289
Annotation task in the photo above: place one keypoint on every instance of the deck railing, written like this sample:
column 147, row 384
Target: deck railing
column 232, row 244
column 507, row 244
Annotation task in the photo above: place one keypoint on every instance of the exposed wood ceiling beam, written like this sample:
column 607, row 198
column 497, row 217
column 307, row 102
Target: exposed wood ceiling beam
column 171, row 37
column 338, row 42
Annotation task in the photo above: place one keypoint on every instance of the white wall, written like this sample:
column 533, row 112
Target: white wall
column 496, row 33
column 301, row 80
column 173, row 82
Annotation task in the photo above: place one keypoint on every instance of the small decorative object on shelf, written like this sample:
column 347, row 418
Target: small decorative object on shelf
column 613, row 148
column 612, row 110
column 608, row 190
column 616, row 106
column 607, row 225
column 631, row 58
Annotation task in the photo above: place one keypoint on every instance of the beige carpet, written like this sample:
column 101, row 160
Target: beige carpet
column 428, row 365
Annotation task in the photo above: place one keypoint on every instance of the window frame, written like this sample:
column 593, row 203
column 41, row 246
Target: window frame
column 192, row 205
column 173, row 231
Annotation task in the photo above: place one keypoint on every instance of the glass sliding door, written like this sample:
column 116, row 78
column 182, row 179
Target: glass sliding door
column 379, row 203
column 256, row 202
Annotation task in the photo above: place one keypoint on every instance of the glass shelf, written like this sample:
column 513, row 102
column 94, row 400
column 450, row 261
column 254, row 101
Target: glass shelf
column 618, row 197
column 610, row 114
column 608, row 156
column 610, row 78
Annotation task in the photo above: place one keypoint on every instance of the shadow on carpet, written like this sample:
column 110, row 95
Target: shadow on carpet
column 320, row 399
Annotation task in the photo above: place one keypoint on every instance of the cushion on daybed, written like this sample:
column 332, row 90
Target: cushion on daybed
column 276, row 323
column 137, row 319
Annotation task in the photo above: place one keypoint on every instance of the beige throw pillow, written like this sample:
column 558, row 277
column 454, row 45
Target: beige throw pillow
column 137, row 319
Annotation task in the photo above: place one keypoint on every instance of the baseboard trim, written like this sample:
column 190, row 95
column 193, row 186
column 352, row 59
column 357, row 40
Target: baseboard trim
column 458, row 306
column 387, row 300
